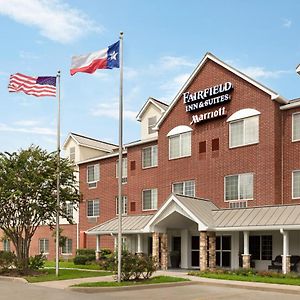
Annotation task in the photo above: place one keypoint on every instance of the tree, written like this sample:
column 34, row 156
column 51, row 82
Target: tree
column 28, row 189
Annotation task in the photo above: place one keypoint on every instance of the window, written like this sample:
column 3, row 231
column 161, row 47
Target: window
column 124, row 205
column 93, row 208
column 296, row 127
column 6, row 245
column 186, row 188
column 93, row 175
column 150, row 199
column 69, row 209
column 296, row 184
column 151, row 124
column 223, row 251
column 149, row 157
column 124, row 243
column 67, row 247
column 244, row 132
column 238, row 204
column 180, row 145
column 239, row 187
column 260, row 247
column 72, row 154
column 44, row 246
column 124, row 170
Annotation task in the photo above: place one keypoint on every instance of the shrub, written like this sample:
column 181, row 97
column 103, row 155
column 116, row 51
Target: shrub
column 85, row 252
column 37, row 262
column 133, row 266
column 105, row 253
column 80, row 259
column 7, row 260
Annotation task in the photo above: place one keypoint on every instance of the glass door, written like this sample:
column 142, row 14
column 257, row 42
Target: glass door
column 195, row 251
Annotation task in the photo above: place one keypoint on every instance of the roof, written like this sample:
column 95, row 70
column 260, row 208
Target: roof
column 209, row 56
column 160, row 105
column 272, row 217
column 292, row 104
column 90, row 142
column 130, row 224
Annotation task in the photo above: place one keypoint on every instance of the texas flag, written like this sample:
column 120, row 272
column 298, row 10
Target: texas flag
column 103, row 59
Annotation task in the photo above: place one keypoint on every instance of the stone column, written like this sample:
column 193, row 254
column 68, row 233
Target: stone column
column 164, row 251
column 203, row 250
column 97, row 247
column 246, row 256
column 155, row 246
column 212, row 250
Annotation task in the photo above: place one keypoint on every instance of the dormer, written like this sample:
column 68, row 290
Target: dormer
column 149, row 116
column 78, row 147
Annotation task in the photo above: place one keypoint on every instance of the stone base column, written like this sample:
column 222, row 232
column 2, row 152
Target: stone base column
column 212, row 250
column 203, row 250
column 246, row 261
column 164, row 251
column 155, row 246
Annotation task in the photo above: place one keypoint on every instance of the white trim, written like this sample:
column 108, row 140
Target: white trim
column 292, row 104
column 183, row 186
column 258, row 228
column 242, row 114
column 180, row 145
column 94, row 159
column 179, row 130
column 272, row 94
column 141, row 142
column 146, row 105
column 150, row 209
column 296, row 113
column 294, row 198
column 154, row 165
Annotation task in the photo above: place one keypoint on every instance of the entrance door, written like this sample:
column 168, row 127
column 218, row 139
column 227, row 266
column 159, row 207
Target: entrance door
column 195, row 249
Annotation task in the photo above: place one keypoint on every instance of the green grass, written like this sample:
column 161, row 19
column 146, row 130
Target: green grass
column 250, row 278
column 70, row 264
column 49, row 275
column 154, row 280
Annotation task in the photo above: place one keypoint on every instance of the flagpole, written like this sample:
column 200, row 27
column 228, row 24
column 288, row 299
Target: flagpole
column 58, row 178
column 120, row 160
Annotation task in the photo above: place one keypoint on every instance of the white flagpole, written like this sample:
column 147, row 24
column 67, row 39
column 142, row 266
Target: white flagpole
column 58, row 178
column 120, row 160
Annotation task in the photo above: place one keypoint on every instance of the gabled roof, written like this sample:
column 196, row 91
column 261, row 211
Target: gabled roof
column 160, row 105
column 198, row 210
column 130, row 224
column 209, row 56
column 85, row 141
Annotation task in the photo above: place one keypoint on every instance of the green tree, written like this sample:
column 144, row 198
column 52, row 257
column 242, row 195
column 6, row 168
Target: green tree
column 28, row 189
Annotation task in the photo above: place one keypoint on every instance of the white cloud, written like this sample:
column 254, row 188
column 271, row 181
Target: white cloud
column 33, row 130
column 171, row 62
column 111, row 110
column 27, row 55
column 261, row 72
column 55, row 19
column 176, row 83
column 26, row 123
column 287, row 23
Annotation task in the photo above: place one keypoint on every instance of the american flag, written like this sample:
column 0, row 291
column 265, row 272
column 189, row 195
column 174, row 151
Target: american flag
column 36, row 86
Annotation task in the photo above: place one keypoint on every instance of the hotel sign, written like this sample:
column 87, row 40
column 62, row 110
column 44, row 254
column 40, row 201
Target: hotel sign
column 204, row 99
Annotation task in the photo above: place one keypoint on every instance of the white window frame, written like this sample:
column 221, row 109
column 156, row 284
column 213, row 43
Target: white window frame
column 221, row 250
column 293, row 139
column 239, row 175
column 244, row 129
column 236, row 204
column 72, row 154
column 93, row 183
column 151, row 126
column 153, row 201
column 69, row 209
column 87, row 208
column 6, row 245
column 43, row 240
column 293, row 184
column 184, row 187
column 180, row 136
column 124, row 170
column 152, row 164
column 124, row 206
column 67, row 247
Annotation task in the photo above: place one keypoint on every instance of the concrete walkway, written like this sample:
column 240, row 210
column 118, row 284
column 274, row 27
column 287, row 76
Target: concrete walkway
column 290, row 289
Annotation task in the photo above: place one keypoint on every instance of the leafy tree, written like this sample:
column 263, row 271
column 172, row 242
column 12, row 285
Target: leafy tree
column 28, row 189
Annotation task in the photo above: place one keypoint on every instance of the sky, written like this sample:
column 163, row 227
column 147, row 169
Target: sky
column 164, row 40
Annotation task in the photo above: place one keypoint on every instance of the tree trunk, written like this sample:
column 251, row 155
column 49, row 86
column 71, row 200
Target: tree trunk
column 22, row 252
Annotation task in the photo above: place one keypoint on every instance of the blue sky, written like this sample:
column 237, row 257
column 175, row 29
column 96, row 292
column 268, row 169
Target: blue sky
column 163, row 42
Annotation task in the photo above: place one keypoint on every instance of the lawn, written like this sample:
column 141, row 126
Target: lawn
column 291, row 279
column 153, row 280
column 49, row 275
column 71, row 265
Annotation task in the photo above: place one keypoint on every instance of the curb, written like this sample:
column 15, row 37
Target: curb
column 93, row 290
column 13, row 279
